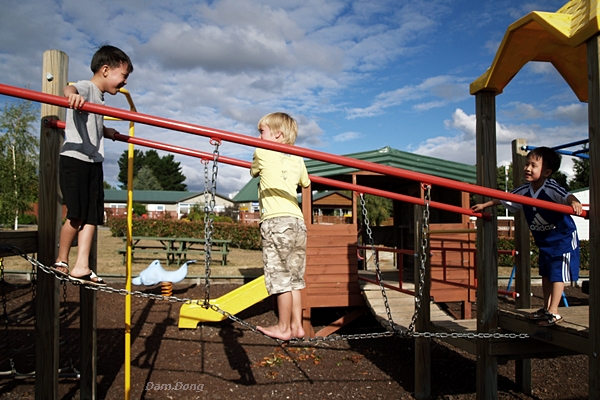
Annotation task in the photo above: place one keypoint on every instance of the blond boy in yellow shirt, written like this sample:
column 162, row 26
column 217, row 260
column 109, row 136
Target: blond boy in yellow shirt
column 282, row 226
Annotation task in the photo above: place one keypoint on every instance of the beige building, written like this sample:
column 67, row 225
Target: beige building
column 161, row 202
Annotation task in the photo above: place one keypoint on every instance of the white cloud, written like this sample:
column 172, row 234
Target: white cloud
column 461, row 146
column 542, row 68
column 522, row 111
column 577, row 114
column 226, row 63
column 346, row 136
column 442, row 89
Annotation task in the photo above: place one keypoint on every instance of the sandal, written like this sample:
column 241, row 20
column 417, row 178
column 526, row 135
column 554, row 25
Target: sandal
column 89, row 279
column 57, row 271
column 552, row 319
column 540, row 314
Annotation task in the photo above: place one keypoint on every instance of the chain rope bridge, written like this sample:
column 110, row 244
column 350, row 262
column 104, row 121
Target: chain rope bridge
column 205, row 303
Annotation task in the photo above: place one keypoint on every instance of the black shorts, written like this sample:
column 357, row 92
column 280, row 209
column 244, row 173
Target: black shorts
column 82, row 187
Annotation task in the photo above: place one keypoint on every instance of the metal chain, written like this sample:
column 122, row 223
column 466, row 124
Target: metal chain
column 214, row 307
column 369, row 232
column 422, row 257
column 209, row 214
column 33, row 287
column 419, row 295
column 207, row 234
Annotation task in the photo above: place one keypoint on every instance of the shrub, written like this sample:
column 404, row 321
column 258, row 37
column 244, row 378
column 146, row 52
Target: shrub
column 243, row 236
column 138, row 209
column 28, row 219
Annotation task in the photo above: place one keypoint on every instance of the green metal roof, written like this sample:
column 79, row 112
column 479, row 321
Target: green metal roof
column 248, row 193
column 385, row 156
column 149, row 196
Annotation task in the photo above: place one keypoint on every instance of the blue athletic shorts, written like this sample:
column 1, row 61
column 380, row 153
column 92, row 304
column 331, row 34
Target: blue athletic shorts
column 560, row 267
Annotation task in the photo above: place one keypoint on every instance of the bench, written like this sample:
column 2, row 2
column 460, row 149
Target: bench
column 175, row 249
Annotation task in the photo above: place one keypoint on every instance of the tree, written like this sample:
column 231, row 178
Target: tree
column 107, row 186
column 168, row 172
column 138, row 162
column 18, row 161
column 378, row 209
column 504, row 182
column 145, row 180
column 502, row 178
column 164, row 169
column 560, row 178
column 581, row 166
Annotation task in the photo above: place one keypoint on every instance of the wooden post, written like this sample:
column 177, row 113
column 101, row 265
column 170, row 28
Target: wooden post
column 54, row 78
column 593, row 61
column 87, row 322
column 522, row 261
column 422, row 344
column 306, row 306
column 307, row 205
column 487, row 247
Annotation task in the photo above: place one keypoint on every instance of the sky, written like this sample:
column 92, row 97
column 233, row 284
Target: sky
column 356, row 75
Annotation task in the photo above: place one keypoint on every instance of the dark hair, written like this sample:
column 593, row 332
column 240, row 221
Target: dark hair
column 111, row 56
column 550, row 158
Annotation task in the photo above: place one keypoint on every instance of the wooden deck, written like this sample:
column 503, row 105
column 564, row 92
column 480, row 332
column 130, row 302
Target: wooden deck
column 571, row 334
column 402, row 305
column 567, row 338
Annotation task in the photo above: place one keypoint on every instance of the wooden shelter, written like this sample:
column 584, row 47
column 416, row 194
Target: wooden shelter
column 332, row 262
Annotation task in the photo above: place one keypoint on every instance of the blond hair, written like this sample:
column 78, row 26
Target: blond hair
column 281, row 122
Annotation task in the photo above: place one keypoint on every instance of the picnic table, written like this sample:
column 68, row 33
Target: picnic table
column 175, row 249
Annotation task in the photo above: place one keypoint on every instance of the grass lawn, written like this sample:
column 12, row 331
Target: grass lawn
column 239, row 262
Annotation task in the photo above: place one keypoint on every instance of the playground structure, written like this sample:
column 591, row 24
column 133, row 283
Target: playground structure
column 485, row 89
column 569, row 40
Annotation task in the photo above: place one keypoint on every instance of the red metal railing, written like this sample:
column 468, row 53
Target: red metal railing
column 444, row 265
column 256, row 142
column 246, row 164
column 216, row 134
column 399, row 263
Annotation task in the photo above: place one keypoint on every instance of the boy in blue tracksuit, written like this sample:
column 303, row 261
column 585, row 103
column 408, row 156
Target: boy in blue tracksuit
column 554, row 233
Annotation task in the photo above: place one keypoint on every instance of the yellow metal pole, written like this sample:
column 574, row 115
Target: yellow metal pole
column 129, row 259
column 130, row 153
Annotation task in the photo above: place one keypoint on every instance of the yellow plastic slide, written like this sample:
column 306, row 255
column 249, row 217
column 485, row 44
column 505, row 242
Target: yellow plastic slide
column 233, row 302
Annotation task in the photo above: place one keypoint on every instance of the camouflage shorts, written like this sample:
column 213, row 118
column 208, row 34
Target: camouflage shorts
column 284, row 253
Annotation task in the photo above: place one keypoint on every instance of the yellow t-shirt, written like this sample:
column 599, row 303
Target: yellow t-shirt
column 280, row 175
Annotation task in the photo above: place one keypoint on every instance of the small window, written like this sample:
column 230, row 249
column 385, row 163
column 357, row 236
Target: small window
column 156, row 207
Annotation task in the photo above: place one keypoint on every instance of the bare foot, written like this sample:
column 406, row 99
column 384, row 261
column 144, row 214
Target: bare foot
column 275, row 332
column 298, row 332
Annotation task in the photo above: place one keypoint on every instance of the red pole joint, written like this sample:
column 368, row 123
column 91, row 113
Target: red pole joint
column 54, row 123
column 486, row 216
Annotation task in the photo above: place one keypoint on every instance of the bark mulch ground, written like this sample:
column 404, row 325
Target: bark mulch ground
column 226, row 360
